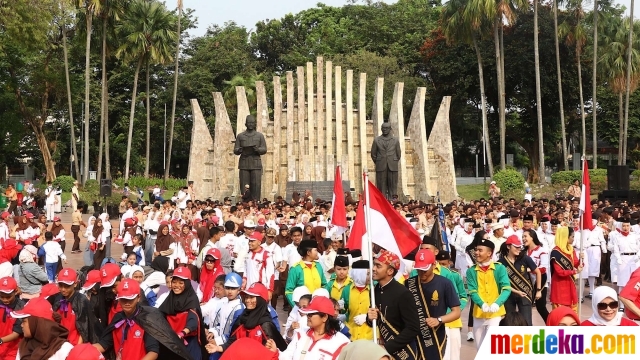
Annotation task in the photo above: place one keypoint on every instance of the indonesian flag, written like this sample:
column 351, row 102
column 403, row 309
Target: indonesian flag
column 388, row 228
column 585, row 199
column 338, row 217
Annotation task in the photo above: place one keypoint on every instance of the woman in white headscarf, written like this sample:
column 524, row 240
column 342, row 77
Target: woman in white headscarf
column 88, row 254
column 605, row 309
column 106, row 233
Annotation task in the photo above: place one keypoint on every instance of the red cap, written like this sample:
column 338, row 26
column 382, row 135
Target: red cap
column 196, row 221
column 93, row 278
column 67, row 276
column 38, row 307
column 57, row 218
column 128, row 289
column 8, row 284
column 49, row 290
column 215, row 220
column 85, row 351
column 215, row 253
column 129, row 222
column 257, row 236
column 513, row 240
column 261, row 222
column 164, row 222
column 28, row 215
column 320, row 304
column 108, row 274
column 257, row 289
column 182, row 272
column 5, row 215
column 424, row 259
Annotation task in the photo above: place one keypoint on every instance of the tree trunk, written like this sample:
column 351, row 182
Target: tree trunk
column 594, row 81
column 87, row 116
column 496, row 39
column 131, row 116
column 175, row 94
column 102, row 100
column 621, row 132
column 146, row 163
column 485, row 126
column 584, row 126
column 628, row 87
column 43, row 144
column 72, row 128
column 565, row 158
column 538, row 92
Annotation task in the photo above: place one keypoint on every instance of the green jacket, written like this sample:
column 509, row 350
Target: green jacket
column 296, row 279
column 502, row 280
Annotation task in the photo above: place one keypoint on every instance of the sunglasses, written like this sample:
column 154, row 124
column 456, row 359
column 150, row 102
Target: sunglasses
column 611, row 305
column 209, row 260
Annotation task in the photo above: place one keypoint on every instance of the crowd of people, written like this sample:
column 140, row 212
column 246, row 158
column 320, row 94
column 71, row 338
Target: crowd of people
column 215, row 272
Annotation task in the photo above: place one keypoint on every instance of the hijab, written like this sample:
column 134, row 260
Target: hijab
column 55, row 229
column 254, row 317
column 133, row 269
column 599, row 294
column 161, row 264
column 363, row 349
column 185, row 239
column 47, row 337
column 20, row 222
column 562, row 240
column 316, row 234
column 208, row 278
column 97, row 230
column 306, row 236
column 163, row 241
column 25, row 256
column 559, row 313
column 185, row 301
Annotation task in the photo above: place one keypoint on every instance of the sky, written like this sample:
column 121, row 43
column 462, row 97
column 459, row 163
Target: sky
column 248, row 12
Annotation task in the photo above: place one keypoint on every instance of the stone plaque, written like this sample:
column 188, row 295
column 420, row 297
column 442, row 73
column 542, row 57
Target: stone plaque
column 319, row 189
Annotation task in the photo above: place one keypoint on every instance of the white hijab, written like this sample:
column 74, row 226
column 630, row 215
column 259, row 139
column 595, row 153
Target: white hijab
column 600, row 294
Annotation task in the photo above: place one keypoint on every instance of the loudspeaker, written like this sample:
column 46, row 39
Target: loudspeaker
column 618, row 177
column 105, row 187
column 631, row 196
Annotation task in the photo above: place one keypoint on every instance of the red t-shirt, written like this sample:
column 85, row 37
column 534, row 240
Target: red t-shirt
column 632, row 292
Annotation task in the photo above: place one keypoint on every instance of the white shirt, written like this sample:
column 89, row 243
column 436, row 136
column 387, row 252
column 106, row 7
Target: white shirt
column 303, row 346
column 241, row 248
column 259, row 267
column 156, row 191
column 290, row 255
column 222, row 322
column 4, row 231
column 183, row 197
column 50, row 193
column 210, row 308
column 52, row 251
column 60, row 236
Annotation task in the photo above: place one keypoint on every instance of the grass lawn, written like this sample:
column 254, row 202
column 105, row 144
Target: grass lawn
column 473, row 192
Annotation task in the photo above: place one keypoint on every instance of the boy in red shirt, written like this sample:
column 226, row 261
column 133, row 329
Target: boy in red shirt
column 10, row 329
column 74, row 309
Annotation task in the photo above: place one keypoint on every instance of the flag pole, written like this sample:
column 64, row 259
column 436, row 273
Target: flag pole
column 367, row 219
column 580, row 280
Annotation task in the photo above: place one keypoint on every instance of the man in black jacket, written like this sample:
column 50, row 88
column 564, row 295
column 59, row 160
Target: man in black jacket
column 395, row 312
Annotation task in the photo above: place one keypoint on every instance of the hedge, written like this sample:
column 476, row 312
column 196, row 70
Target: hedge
column 509, row 179
column 148, row 183
column 65, row 182
column 569, row 177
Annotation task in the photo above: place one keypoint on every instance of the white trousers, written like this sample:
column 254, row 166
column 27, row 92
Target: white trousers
column 481, row 327
column 51, row 211
column 454, row 343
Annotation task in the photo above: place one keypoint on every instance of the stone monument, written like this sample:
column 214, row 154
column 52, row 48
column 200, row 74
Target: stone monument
column 386, row 154
column 250, row 145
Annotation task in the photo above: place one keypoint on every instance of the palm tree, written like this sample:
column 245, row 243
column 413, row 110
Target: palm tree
column 594, row 82
column 563, row 133
column 65, row 51
column 456, row 29
column 175, row 94
column 542, row 178
column 146, row 32
column 628, row 85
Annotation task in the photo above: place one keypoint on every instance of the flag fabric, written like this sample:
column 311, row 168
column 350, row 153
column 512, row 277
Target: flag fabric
column 388, row 228
column 443, row 228
column 585, row 199
column 338, row 217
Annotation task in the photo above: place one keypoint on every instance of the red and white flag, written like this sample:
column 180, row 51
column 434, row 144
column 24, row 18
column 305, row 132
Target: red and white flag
column 338, row 216
column 388, row 228
column 585, row 199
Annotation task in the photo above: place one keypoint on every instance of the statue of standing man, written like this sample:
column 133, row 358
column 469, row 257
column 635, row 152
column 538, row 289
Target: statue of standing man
column 250, row 145
column 385, row 153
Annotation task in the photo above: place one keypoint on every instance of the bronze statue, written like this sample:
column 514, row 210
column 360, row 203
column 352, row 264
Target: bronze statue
column 385, row 153
column 250, row 144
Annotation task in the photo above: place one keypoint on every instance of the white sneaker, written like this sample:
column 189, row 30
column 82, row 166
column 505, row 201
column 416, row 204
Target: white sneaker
column 470, row 336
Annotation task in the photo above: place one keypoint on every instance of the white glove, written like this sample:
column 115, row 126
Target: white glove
column 494, row 308
column 486, row 308
column 341, row 304
column 360, row 319
column 619, row 261
column 342, row 318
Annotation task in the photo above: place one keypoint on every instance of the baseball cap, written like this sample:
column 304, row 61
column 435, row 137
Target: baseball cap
column 5, row 215
column 513, row 240
column 271, row 232
column 261, row 222
column 129, row 222
column 57, row 218
column 182, row 272
column 424, row 259
column 93, row 278
column 128, row 289
column 215, row 253
column 319, row 304
column 108, row 274
column 49, row 290
column 38, row 307
column 249, row 224
column 320, row 292
column 257, row 289
column 256, row 236
column 85, row 352
column 28, row 215
column 8, row 284
column 67, row 276
column 299, row 292
column 232, row 280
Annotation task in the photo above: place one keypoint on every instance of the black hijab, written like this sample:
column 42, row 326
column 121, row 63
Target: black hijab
column 258, row 316
column 185, row 301
column 160, row 263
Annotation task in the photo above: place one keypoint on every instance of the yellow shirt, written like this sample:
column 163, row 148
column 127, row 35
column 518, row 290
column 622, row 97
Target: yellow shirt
column 336, row 289
column 311, row 277
column 359, row 304
column 488, row 291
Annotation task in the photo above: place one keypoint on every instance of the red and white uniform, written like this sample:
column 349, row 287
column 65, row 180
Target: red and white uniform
column 28, row 235
column 540, row 256
column 259, row 267
column 303, row 346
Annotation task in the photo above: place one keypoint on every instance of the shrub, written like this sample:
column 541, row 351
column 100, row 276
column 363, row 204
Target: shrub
column 568, row 177
column 91, row 186
column 146, row 184
column 509, row 179
column 636, row 174
column 65, row 182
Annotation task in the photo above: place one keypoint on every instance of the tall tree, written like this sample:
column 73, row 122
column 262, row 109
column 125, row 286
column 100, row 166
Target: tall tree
column 628, row 86
column 565, row 157
column 538, row 92
column 146, row 30
column 65, row 50
column 175, row 94
column 594, row 83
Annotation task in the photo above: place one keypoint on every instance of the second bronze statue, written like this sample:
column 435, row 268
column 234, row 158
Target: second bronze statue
column 250, row 145
column 385, row 153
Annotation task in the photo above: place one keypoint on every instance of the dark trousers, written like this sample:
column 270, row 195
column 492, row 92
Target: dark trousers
column 278, row 290
column 12, row 207
column 253, row 178
column 605, row 266
column 521, row 304
column 75, row 229
column 387, row 182
column 63, row 245
column 541, row 305
column 470, row 305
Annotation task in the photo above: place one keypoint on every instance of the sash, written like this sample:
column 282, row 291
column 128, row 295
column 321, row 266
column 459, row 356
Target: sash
column 388, row 333
column 561, row 259
column 430, row 345
column 519, row 282
column 471, row 251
